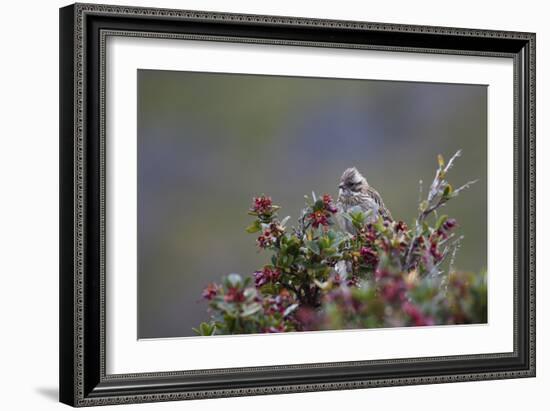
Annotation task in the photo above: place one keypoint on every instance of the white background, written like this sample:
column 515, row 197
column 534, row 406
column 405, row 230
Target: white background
column 29, row 205
column 125, row 354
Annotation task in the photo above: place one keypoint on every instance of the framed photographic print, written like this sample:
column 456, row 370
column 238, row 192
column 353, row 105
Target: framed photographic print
column 262, row 204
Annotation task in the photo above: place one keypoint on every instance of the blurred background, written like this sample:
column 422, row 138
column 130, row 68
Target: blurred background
column 208, row 143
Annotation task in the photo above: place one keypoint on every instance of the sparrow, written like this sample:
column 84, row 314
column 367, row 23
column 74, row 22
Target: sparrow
column 356, row 194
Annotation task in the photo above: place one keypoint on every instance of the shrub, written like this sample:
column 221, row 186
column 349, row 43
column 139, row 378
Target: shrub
column 339, row 270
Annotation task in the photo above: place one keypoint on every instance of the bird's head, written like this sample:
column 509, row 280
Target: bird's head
column 351, row 183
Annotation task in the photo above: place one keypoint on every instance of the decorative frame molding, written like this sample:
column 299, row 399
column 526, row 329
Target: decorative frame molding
column 83, row 32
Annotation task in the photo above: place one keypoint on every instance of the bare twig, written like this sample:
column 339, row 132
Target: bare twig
column 456, row 246
column 465, row 186
column 439, row 194
column 452, row 160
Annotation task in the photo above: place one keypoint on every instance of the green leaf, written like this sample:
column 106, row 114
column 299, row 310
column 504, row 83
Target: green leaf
column 254, row 227
column 205, row 329
column 251, row 309
column 440, row 221
column 339, row 239
column 425, row 228
column 318, row 205
column 330, row 251
column 379, row 224
column 234, row 280
column 268, row 289
column 283, row 261
column 225, row 307
column 324, row 242
column 313, row 246
column 285, row 220
column 250, row 293
column 347, row 217
column 357, row 217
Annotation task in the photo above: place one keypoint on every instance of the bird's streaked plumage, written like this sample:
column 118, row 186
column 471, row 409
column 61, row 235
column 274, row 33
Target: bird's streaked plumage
column 355, row 192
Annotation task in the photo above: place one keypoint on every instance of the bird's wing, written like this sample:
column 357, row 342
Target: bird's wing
column 384, row 212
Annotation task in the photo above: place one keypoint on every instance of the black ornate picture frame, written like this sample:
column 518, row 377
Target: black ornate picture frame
column 83, row 31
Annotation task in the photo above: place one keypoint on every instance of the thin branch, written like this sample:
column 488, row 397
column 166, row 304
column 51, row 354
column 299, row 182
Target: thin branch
column 440, row 193
column 452, row 160
column 465, row 186
column 456, row 246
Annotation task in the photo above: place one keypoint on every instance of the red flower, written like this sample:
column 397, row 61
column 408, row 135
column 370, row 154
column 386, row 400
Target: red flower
column 450, row 224
column 262, row 205
column 381, row 273
column 318, row 218
column 306, row 317
column 394, row 290
column 447, row 226
column 321, row 212
column 264, row 240
column 278, row 303
column 210, row 291
column 369, row 255
column 434, row 251
column 276, row 230
column 234, row 295
column 416, row 314
column 371, row 236
column 459, row 285
column 267, row 275
column 353, row 281
column 328, row 204
column 401, row 226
